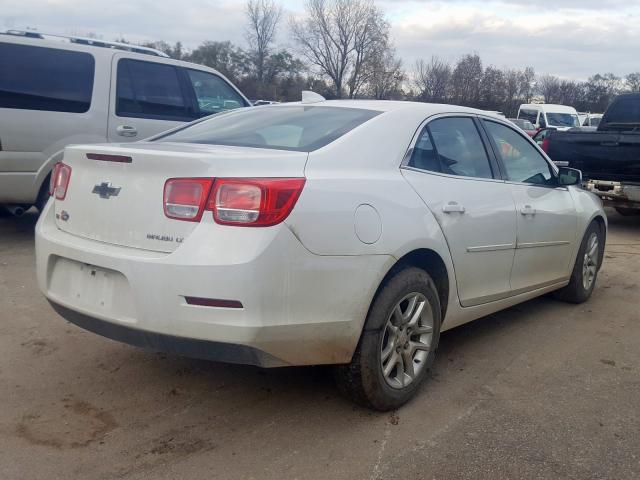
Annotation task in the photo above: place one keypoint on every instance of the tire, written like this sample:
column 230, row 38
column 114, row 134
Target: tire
column 394, row 331
column 580, row 288
column 628, row 212
column 43, row 195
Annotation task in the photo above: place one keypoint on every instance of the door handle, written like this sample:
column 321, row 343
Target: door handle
column 126, row 131
column 528, row 210
column 453, row 207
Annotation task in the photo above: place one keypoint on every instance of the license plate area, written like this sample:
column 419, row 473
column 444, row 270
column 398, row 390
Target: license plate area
column 91, row 288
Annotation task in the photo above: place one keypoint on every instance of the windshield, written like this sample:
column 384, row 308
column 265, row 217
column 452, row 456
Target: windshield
column 563, row 119
column 296, row 127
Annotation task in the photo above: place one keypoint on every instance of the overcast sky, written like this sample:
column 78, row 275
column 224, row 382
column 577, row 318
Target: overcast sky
column 570, row 38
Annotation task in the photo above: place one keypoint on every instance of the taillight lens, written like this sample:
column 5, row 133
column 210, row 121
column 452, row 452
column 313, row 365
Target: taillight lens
column 59, row 183
column 253, row 202
column 185, row 198
column 545, row 145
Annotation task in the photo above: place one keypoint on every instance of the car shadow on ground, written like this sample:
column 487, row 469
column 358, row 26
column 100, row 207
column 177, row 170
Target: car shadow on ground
column 197, row 377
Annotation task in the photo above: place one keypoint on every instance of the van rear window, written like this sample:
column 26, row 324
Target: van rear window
column 40, row 78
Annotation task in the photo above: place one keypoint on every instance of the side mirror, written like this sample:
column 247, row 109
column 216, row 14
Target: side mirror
column 569, row 176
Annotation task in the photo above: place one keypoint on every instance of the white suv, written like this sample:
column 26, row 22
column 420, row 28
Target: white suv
column 56, row 91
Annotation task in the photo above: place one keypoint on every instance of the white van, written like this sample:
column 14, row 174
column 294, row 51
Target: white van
column 545, row 115
column 56, row 91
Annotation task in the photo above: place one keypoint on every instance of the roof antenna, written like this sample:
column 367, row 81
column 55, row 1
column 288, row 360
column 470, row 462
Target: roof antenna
column 311, row 97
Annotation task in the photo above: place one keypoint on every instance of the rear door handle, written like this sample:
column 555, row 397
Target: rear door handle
column 528, row 210
column 126, row 131
column 453, row 207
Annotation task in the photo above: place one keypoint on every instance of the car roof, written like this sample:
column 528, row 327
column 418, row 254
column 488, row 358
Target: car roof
column 391, row 105
column 549, row 107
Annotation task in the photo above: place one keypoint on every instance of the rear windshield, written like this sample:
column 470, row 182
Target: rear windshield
column 296, row 127
column 563, row 119
column 625, row 110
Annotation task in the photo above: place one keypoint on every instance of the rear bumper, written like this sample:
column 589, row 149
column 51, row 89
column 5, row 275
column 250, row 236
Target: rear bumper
column 188, row 347
column 19, row 187
column 298, row 308
column 615, row 193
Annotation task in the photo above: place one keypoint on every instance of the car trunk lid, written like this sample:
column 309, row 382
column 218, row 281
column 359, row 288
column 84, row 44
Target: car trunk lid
column 115, row 193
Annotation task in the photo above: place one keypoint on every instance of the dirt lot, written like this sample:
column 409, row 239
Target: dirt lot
column 543, row 390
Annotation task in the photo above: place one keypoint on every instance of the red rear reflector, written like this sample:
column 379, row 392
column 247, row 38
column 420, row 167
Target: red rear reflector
column 545, row 145
column 185, row 198
column 109, row 158
column 253, row 202
column 213, row 302
column 59, row 182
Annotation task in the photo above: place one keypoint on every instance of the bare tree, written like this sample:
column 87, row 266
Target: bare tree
column 433, row 80
column 632, row 82
column 466, row 80
column 341, row 39
column 492, row 88
column 549, row 87
column 512, row 86
column 263, row 17
column 386, row 76
column 526, row 84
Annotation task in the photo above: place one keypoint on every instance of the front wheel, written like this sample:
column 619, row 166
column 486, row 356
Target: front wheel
column 585, row 270
column 398, row 344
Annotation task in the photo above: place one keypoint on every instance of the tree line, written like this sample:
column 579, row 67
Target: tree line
column 344, row 49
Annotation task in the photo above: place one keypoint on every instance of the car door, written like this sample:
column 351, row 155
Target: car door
column 148, row 97
column 547, row 222
column 458, row 179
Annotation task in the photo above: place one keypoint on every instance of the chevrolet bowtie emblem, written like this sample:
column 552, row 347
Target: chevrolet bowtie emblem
column 106, row 190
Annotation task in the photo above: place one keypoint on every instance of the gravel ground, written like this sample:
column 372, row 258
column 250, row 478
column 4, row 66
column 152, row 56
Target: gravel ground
column 542, row 390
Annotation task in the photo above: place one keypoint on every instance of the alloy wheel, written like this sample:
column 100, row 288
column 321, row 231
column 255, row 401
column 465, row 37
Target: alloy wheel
column 406, row 341
column 590, row 262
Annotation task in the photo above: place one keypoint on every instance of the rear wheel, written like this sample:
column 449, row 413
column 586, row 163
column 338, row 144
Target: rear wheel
column 43, row 195
column 398, row 344
column 585, row 270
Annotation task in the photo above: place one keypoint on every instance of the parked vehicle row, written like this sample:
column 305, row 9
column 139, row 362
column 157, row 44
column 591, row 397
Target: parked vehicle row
column 525, row 125
column 327, row 232
column 546, row 115
column 56, row 91
column 609, row 156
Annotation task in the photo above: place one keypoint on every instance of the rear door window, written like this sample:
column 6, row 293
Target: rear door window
column 459, row 148
column 213, row 94
column 150, row 90
column 49, row 79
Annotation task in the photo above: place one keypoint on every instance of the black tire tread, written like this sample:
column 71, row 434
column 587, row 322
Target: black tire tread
column 358, row 379
column 574, row 292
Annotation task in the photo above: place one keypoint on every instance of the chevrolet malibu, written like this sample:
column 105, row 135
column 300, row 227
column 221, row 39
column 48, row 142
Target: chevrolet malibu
column 349, row 233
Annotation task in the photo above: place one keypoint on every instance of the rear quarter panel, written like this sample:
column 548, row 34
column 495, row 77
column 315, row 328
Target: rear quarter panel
column 363, row 168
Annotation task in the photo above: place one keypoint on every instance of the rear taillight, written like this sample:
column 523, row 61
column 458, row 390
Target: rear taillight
column 253, row 202
column 249, row 202
column 59, row 183
column 545, row 145
column 185, row 198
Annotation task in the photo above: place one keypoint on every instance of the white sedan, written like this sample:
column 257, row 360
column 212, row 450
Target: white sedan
column 337, row 232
